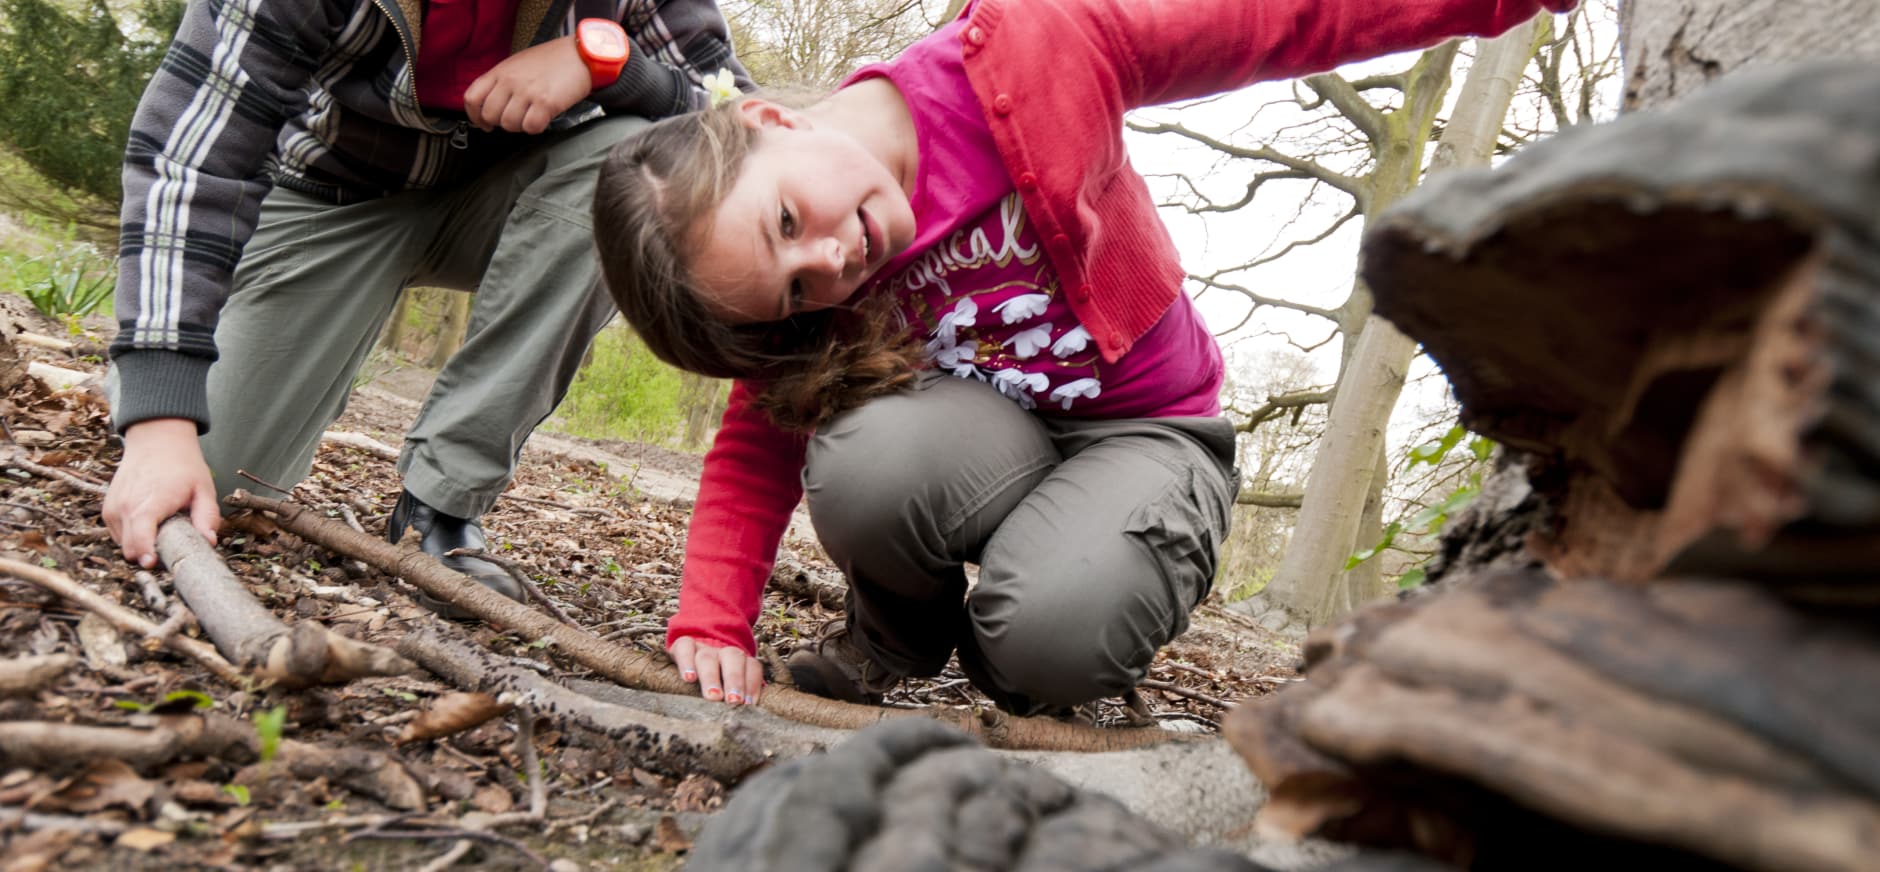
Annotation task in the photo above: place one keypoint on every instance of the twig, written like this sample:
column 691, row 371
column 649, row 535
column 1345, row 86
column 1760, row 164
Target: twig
column 25, row 675
column 555, row 826
column 15, row 817
column 264, row 482
column 452, row 833
column 352, row 520
column 1196, row 671
column 531, row 767
column 91, row 487
column 449, row 858
column 522, row 578
column 579, row 510
column 361, row 442
column 153, row 591
column 124, row 619
column 1178, row 690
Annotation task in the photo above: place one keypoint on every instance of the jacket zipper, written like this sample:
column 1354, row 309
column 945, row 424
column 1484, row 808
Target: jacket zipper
column 460, row 134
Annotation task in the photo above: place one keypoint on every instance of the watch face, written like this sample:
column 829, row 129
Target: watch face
column 603, row 40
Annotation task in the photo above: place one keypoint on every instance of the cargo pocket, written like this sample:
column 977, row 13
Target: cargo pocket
column 1182, row 528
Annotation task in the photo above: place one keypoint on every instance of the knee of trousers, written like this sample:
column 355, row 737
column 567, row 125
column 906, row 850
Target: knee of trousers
column 907, row 468
column 1069, row 649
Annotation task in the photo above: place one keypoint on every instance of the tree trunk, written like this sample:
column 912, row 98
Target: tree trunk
column 451, row 329
column 699, row 396
column 1341, row 477
column 394, row 336
column 1674, row 46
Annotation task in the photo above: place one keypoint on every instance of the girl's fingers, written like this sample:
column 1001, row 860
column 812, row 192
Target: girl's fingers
column 753, row 679
column 709, row 685
column 684, row 652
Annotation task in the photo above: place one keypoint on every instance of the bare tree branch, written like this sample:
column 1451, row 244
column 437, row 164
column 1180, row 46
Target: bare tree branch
column 1332, row 88
column 1350, row 185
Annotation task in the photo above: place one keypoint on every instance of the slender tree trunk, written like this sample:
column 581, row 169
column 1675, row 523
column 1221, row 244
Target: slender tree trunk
column 450, row 330
column 393, row 339
column 1342, row 475
column 699, row 396
column 1674, row 46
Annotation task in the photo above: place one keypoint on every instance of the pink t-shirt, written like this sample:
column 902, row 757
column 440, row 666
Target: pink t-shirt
column 978, row 290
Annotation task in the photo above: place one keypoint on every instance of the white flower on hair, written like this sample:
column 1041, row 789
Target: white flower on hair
column 721, row 87
column 1068, row 391
column 1021, row 307
column 1026, row 344
column 1071, row 343
column 966, row 314
column 1020, row 385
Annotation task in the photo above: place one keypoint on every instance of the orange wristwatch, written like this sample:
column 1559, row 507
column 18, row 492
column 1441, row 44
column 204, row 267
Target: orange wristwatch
column 603, row 47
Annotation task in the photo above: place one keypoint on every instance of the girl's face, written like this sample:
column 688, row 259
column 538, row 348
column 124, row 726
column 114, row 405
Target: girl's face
column 810, row 219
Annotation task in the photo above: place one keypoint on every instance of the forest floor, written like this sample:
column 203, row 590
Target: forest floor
column 600, row 526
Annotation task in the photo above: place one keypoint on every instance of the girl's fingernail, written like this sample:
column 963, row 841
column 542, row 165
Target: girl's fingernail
column 734, row 698
column 689, row 675
column 713, row 693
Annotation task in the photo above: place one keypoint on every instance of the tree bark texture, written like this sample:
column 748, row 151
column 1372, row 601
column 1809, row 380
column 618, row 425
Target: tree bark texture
column 1674, row 47
column 1675, row 313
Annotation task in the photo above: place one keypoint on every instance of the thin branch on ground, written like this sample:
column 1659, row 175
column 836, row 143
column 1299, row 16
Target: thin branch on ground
column 124, row 619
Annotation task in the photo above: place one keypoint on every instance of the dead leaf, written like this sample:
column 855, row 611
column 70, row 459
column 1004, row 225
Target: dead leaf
column 192, row 792
column 698, row 793
column 145, row 839
column 668, row 837
column 450, row 714
column 34, row 541
column 36, row 851
column 106, row 783
column 103, row 646
column 493, row 798
column 19, row 792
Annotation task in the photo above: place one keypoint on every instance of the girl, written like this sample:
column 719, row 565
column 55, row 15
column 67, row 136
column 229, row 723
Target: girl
column 957, row 326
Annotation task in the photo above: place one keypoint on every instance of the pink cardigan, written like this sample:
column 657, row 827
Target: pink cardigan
column 1054, row 78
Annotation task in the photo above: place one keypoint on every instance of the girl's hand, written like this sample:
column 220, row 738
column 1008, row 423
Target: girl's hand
column 722, row 672
column 529, row 88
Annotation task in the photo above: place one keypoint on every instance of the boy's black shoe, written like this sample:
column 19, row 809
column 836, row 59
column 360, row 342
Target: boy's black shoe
column 443, row 534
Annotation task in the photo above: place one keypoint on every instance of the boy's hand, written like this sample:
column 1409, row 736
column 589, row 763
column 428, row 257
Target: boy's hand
column 722, row 672
column 529, row 88
column 161, row 474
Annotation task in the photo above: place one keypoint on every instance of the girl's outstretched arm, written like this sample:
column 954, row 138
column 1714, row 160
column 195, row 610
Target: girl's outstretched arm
column 1158, row 51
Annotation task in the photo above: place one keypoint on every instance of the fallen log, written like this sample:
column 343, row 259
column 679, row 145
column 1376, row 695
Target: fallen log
column 726, row 752
column 53, row 746
column 638, row 669
column 249, row 634
column 1511, row 714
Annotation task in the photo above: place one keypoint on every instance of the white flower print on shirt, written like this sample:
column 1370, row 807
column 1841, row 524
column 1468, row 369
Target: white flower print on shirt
column 966, row 314
column 950, row 356
column 1087, row 388
column 1027, row 343
column 1020, row 385
column 1021, row 307
column 1072, row 342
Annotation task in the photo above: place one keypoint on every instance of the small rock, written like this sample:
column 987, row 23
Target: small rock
column 634, row 834
column 1275, row 620
column 564, row 864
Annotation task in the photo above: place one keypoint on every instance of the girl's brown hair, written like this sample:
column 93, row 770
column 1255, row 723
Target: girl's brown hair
column 653, row 203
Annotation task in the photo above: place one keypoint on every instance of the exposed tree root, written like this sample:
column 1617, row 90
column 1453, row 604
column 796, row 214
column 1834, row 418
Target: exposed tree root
column 638, row 669
column 249, row 634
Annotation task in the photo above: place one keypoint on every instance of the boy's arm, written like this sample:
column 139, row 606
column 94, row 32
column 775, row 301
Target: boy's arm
column 672, row 53
column 750, row 484
column 195, row 172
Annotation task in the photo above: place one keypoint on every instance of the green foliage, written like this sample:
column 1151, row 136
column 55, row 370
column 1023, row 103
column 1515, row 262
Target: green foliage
column 239, row 793
column 72, row 281
column 176, row 699
column 70, row 81
column 270, row 725
column 624, row 392
column 1430, row 519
